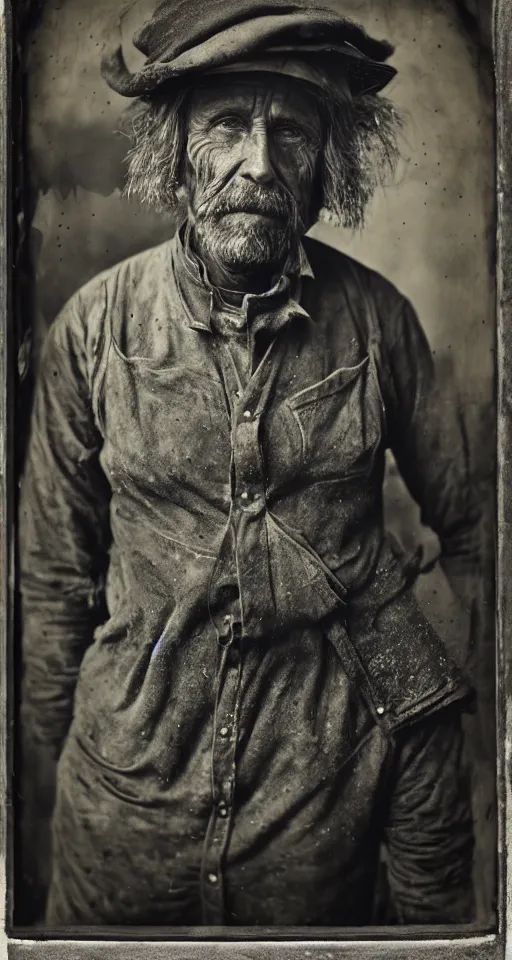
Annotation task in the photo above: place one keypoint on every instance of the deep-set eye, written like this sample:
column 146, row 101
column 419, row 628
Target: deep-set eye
column 229, row 123
column 289, row 133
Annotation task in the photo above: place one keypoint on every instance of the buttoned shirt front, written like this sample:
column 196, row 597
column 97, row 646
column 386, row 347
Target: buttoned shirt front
column 208, row 586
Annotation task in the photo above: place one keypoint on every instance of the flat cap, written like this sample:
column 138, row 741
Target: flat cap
column 187, row 37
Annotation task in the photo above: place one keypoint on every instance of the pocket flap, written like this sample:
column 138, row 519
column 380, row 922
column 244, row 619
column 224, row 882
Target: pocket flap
column 336, row 382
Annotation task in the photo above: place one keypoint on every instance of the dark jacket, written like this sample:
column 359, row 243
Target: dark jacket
column 262, row 702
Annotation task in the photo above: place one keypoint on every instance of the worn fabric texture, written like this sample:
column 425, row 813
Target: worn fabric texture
column 215, row 625
column 182, row 38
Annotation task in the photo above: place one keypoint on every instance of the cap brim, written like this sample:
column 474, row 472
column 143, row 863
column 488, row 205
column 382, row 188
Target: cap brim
column 239, row 41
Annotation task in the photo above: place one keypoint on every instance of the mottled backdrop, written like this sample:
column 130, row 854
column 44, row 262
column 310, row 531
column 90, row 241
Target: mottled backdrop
column 431, row 232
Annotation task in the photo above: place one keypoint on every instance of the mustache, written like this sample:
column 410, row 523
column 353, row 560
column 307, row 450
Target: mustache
column 245, row 198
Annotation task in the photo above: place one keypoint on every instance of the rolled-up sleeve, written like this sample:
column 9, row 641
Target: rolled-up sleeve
column 429, row 831
column 63, row 527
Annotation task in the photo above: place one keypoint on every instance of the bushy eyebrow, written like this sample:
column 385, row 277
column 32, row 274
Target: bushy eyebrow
column 209, row 112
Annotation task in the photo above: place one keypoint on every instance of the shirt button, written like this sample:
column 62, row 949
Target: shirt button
column 224, row 731
column 380, row 711
column 244, row 495
column 213, row 878
column 247, row 414
column 223, row 810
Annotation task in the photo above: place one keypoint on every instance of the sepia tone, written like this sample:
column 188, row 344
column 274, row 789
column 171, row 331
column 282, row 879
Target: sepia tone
column 438, row 214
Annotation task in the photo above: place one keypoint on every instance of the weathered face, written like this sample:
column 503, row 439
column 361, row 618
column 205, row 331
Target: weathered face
column 252, row 151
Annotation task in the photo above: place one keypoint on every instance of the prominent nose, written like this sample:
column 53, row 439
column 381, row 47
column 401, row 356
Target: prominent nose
column 257, row 165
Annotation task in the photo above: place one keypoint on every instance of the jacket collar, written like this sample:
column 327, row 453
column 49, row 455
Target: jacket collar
column 270, row 310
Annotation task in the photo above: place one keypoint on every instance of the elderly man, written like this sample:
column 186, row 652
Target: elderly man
column 222, row 648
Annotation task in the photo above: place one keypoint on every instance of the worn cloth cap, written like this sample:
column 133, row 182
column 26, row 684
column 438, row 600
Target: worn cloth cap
column 187, row 37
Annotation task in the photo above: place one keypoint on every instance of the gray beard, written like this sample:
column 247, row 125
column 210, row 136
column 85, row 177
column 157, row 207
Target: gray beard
column 242, row 244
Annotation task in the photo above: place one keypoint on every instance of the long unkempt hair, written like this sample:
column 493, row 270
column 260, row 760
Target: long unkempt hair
column 360, row 152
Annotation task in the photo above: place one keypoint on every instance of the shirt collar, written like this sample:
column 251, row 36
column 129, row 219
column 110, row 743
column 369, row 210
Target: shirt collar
column 271, row 309
column 305, row 268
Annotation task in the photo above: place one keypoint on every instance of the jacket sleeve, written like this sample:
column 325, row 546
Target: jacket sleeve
column 429, row 830
column 63, row 531
column 427, row 436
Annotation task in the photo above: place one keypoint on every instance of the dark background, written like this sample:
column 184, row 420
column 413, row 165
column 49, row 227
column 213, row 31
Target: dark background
column 431, row 232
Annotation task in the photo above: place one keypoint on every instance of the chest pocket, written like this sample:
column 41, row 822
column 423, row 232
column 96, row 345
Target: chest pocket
column 340, row 422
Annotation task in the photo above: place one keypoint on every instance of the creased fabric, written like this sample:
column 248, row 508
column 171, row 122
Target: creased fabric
column 215, row 625
column 183, row 39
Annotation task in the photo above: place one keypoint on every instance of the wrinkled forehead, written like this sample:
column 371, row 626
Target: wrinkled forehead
column 262, row 94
